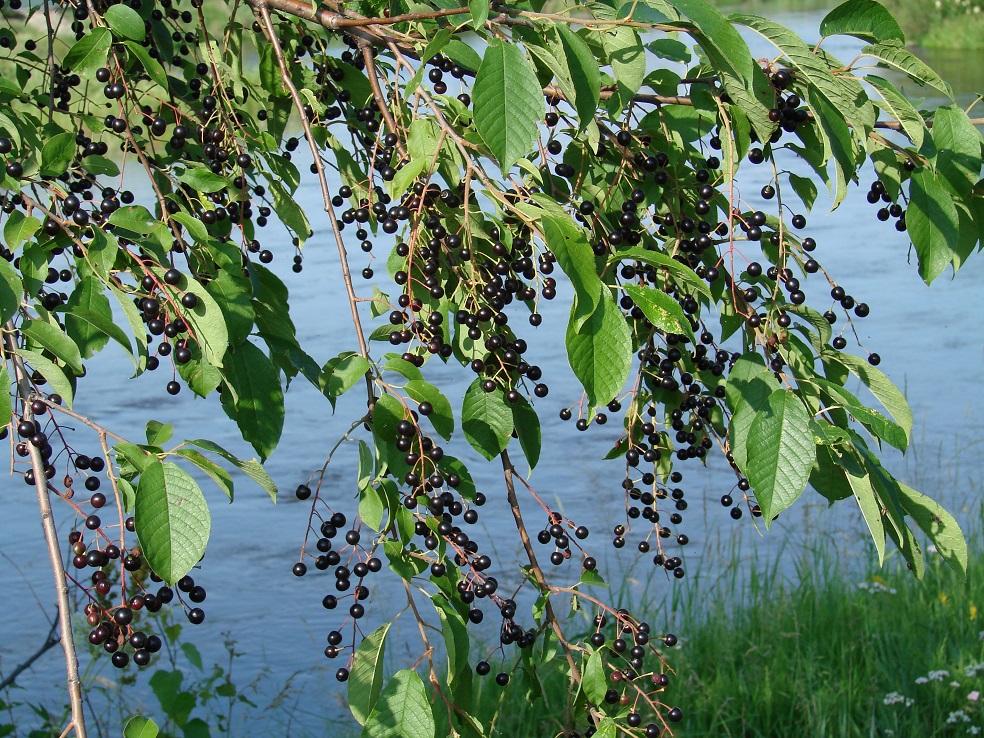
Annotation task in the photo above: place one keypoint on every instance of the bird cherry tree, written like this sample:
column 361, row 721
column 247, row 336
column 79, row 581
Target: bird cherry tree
column 478, row 154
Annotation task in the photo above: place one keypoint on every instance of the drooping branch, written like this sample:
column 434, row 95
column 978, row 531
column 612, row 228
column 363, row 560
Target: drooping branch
column 24, row 392
column 508, row 472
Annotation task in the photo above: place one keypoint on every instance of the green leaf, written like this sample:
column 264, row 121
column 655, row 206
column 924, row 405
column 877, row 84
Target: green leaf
column 289, row 212
column 6, row 406
column 206, row 321
column 89, row 53
column 345, row 374
column 941, row 527
column 158, row 433
column 681, row 273
column 259, row 405
column 101, row 165
column 780, row 453
column 19, row 228
column 50, row 371
column 805, row 188
column 250, row 467
column 864, row 494
column 660, row 309
column 627, row 57
column 136, row 456
column 101, row 253
column 51, row 338
column 568, row 242
column 366, row 464
column 140, row 726
column 366, row 676
column 88, row 317
column 171, row 519
column 527, row 425
column 600, row 350
column 202, row 378
column 218, row 475
column 232, row 294
column 486, row 420
column 607, row 728
column 895, row 55
column 406, row 175
column 750, row 384
column 153, row 67
column 386, row 414
column 827, row 478
column 202, row 179
column 125, row 22
column 582, row 69
column 11, row 291
column 812, row 70
column 879, row 426
column 900, row 108
column 441, row 416
column 742, row 77
column 932, row 223
column 837, row 141
column 594, row 681
column 372, row 506
column 57, row 154
column 959, row 145
column 133, row 317
column 508, row 103
column 881, row 387
column 135, row 218
column 479, row 10
column 402, row 710
column 867, row 20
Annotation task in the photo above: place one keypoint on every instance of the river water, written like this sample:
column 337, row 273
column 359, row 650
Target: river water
column 930, row 340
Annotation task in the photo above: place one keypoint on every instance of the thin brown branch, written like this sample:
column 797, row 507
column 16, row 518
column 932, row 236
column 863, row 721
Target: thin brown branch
column 262, row 8
column 25, row 392
column 82, row 419
column 537, row 572
column 373, row 73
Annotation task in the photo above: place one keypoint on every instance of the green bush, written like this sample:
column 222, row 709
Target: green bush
column 828, row 651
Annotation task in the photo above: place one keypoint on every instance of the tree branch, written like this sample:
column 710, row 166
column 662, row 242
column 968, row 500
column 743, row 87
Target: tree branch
column 50, row 641
column 25, row 392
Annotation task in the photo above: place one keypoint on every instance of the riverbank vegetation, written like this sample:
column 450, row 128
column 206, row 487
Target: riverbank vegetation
column 941, row 24
column 838, row 648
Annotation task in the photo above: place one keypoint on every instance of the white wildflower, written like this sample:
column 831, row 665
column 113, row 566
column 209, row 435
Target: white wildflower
column 957, row 716
column 894, row 698
column 974, row 696
column 922, row 680
column 939, row 675
column 955, row 684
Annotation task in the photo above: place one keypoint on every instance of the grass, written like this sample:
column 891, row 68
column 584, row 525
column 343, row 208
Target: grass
column 828, row 652
column 941, row 24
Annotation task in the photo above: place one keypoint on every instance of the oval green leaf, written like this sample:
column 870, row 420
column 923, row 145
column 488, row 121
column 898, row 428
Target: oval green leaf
column 508, row 103
column 366, row 676
column 172, row 520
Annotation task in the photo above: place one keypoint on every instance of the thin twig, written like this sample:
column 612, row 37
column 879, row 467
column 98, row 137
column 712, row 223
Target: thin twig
column 50, row 641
